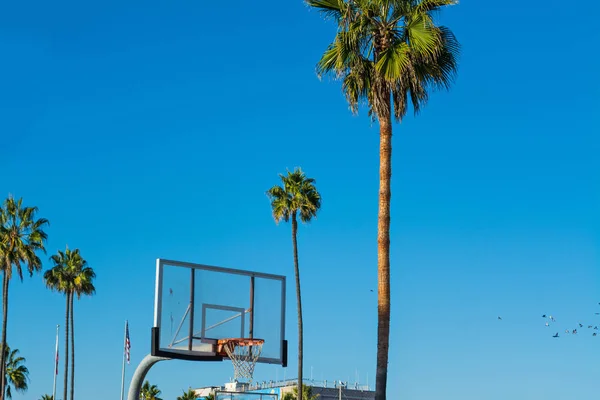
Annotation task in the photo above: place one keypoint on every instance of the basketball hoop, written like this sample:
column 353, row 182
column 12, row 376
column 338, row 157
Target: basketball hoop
column 244, row 353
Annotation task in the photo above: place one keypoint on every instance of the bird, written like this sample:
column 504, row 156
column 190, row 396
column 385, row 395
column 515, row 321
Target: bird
column 371, row 290
column 574, row 331
column 555, row 335
column 547, row 324
column 596, row 328
column 581, row 326
column 171, row 291
column 566, row 331
column 594, row 334
column 589, row 326
column 598, row 313
column 544, row 316
column 500, row 318
column 552, row 318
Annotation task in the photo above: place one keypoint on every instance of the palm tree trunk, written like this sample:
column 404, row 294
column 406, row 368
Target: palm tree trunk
column 383, row 255
column 66, row 380
column 72, row 350
column 299, row 302
column 4, row 320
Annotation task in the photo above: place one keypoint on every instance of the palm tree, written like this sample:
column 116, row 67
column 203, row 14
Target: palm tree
column 82, row 285
column 189, row 395
column 21, row 236
column 16, row 374
column 47, row 397
column 306, row 393
column 388, row 54
column 149, row 392
column 71, row 276
column 298, row 195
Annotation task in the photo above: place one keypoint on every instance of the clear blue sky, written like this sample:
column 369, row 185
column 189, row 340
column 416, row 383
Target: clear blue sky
column 152, row 129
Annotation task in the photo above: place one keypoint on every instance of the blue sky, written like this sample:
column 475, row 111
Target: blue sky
column 147, row 129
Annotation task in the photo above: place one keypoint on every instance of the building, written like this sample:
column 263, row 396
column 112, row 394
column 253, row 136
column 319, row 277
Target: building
column 327, row 390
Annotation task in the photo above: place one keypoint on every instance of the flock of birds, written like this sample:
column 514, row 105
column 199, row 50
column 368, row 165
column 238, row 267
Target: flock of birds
column 550, row 319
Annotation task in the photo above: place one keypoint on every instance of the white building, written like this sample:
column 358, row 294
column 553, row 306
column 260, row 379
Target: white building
column 327, row 390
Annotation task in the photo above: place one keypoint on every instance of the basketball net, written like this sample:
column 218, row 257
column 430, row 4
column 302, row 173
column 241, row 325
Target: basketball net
column 244, row 354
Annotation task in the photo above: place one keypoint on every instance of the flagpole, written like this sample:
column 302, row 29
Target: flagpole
column 55, row 365
column 123, row 369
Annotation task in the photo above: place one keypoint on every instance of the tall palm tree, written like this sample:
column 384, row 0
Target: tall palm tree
column 71, row 276
column 82, row 285
column 16, row 373
column 297, row 196
column 21, row 236
column 189, row 395
column 389, row 54
column 149, row 392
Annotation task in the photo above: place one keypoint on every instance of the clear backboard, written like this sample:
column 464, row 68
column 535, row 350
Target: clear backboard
column 196, row 305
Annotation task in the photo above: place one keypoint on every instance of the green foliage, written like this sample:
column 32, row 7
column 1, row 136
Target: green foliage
column 21, row 236
column 307, row 394
column 70, row 274
column 189, row 395
column 149, row 392
column 210, row 397
column 297, row 195
column 16, row 373
column 388, row 50
column 47, row 397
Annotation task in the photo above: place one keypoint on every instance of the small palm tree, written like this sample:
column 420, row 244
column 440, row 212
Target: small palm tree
column 17, row 373
column 297, row 196
column 189, row 395
column 306, row 393
column 47, row 397
column 389, row 54
column 210, row 397
column 21, row 236
column 71, row 276
column 149, row 392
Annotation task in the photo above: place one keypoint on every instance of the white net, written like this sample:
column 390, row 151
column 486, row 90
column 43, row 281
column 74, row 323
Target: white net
column 243, row 354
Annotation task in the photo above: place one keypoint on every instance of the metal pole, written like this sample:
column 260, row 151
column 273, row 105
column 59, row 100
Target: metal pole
column 191, row 330
column 251, row 329
column 55, row 365
column 140, row 374
column 123, row 368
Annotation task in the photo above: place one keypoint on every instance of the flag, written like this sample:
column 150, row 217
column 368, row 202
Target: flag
column 127, row 342
column 56, row 366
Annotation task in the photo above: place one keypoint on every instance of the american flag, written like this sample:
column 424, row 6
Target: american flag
column 127, row 342
column 56, row 366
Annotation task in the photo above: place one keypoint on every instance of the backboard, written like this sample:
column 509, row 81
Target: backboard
column 196, row 305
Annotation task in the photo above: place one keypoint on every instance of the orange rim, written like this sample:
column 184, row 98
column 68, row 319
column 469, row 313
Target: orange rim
column 236, row 342
column 241, row 341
